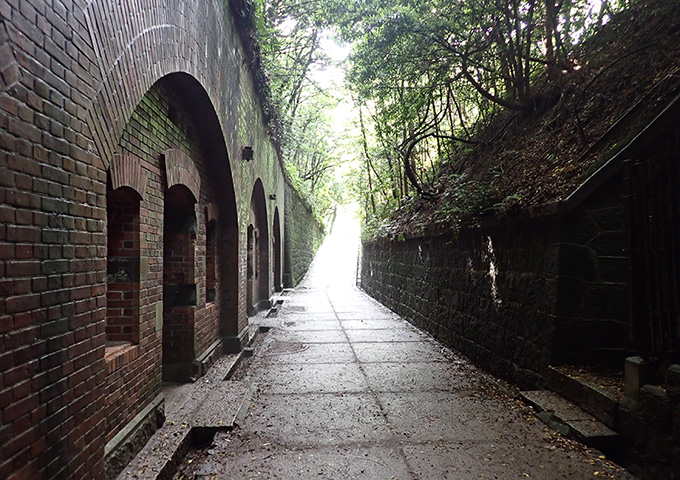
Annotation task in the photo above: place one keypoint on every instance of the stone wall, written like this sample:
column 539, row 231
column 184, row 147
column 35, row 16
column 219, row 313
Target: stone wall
column 649, row 421
column 519, row 295
column 304, row 235
column 592, row 307
column 486, row 294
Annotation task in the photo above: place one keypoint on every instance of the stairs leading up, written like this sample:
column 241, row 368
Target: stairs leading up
column 571, row 421
column 582, row 403
column 597, row 391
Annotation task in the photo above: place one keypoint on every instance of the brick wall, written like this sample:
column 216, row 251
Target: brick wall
column 172, row 258
column 52, row 248
column 277, row 246
column 122, row 285
column 517, row 296
column 211, row 273
column 303, row 237
column 258, row 248
column 82, row 115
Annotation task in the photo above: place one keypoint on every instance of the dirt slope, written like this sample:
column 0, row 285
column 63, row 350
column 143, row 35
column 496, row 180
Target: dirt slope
column 625, row 75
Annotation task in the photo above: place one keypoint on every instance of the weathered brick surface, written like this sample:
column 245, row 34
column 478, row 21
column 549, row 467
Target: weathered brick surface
column 517, row 297
column 52, row 303
column 92, row 95
column 123, row 261
column 257, row 245
column 303, row 236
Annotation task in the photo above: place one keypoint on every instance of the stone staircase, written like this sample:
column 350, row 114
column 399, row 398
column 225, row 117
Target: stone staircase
column 581, row 403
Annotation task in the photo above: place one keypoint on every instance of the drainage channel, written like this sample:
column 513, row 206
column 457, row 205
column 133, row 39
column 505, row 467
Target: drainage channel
column 215, row 404
column 222, row 411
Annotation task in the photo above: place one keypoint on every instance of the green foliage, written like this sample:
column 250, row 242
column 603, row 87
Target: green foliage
column 463, row 202
column 428, row 76
column 290, row 35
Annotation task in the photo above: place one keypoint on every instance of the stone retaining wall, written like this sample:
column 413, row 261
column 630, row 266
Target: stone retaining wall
column 650, row 427
column 519, row 295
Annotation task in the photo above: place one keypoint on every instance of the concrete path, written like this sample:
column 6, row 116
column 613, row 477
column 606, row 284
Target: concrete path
column 347, row 389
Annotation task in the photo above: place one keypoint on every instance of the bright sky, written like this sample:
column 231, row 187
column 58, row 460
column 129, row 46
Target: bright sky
column 332, row 79
column 331, row 76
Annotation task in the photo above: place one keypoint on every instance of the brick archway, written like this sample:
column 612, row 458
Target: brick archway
column 276, row 247
column 181, row 170
column 258, row 251
column 179, row 166
column 126, row 171
column 180, row 40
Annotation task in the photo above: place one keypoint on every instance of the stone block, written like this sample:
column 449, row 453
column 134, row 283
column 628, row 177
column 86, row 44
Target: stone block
column 675, row 428
column 675, row 462
column 610, row 244
column 630, row 422
column 637, row 372
column 673, row 375
column 609, row 219
column 655, row 408
column 159, row 316
column 570, row 297
column 595, row 302
column 613, row 269
column 588, row 395
column 580, row 229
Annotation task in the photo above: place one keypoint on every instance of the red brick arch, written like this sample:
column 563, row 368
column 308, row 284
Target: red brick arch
column 181, row 170
column 259, row 289
column 152, row 40
column 126, row 171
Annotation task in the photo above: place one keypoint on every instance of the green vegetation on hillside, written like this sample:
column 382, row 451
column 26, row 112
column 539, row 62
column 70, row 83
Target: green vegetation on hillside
column 432, row 77
column 463, row 107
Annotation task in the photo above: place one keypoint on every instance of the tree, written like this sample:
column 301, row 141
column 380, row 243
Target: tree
column 290, row 35
column 434, row 74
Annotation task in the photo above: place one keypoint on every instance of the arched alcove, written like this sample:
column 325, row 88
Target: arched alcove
column 222, row 224
column 122, row 266
column 258, row 251
column 180, row 231
column 276, row 248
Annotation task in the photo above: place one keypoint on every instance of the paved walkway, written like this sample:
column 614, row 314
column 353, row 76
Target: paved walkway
column 346, row 389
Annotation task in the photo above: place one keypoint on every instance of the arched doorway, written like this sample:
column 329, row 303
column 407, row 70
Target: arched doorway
column 218, row 220
column 258, row 252
column 179, row 282
column 276, row 247
column 189, row 243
